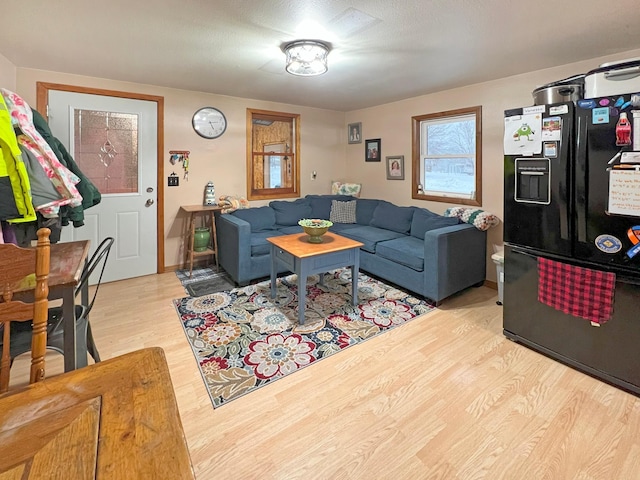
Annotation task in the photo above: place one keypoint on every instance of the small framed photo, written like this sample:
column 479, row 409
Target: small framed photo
column 372, row 150
column 550, row 149
column 395, row 167
column 354, row 132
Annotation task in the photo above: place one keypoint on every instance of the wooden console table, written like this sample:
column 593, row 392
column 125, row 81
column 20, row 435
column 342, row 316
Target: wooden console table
column 212, row 248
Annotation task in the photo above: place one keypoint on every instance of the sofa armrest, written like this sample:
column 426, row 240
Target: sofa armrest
column 454, row 259
column 234, row 245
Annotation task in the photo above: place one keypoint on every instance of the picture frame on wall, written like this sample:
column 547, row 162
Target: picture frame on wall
column 354, row 132
column 372, row 150
column 395, row 167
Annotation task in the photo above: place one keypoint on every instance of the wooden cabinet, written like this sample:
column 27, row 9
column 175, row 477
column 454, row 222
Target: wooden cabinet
column 202, row 212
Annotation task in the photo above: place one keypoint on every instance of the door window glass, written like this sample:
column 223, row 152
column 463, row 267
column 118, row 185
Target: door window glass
column 106, row 149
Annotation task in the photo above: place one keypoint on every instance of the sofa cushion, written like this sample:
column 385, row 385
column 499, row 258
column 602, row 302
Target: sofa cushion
column 369, row 236
column 365, row 209
column 289, row 213
column 260, row 218
column 290, row 229
column 343, row 212
column 321, row 204
column 342, row 227
column 424, row 220
column 259, row 244
column 408, row 251
column 391, row 217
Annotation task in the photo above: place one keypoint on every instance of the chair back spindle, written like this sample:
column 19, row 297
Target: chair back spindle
column 22, row 270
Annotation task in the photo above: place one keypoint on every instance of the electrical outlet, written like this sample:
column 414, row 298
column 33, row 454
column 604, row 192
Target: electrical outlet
column 173, row 181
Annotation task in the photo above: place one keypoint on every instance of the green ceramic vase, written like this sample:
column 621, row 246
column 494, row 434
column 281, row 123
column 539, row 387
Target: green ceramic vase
column 201, row 239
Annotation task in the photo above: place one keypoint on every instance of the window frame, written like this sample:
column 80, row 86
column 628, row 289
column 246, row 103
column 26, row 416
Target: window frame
column 416, row 142
column 292, row 156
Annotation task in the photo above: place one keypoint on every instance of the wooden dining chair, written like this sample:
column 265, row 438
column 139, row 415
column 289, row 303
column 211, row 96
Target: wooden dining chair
column 24, row 269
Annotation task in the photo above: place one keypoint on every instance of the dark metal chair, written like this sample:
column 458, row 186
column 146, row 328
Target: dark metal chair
column 21, row 334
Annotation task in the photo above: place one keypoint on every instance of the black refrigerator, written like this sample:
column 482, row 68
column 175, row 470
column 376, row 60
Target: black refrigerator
column 572, row 234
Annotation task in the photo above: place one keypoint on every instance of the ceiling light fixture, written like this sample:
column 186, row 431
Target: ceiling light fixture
column 306, row 57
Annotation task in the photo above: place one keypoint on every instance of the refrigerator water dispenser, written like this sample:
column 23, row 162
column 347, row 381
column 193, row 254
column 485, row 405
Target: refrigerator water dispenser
column 533, row 180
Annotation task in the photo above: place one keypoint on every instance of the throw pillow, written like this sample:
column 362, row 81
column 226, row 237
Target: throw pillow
column 391, row 217
column 424, row 220
column 231, row 203
column 474, row 216
column 340, row 188
column 343, row 212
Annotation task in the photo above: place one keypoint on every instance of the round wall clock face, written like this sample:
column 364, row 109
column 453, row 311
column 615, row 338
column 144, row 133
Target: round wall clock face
column 209, row 122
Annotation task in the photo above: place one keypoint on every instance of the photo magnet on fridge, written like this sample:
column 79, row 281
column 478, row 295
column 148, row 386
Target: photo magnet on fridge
column 552, row 128
column 550, row 149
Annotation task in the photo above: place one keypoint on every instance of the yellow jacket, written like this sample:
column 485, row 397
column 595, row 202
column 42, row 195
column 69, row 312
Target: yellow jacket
column 12, row 166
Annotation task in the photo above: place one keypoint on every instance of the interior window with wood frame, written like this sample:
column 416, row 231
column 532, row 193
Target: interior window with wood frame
column 447, row 156
column 273, row 159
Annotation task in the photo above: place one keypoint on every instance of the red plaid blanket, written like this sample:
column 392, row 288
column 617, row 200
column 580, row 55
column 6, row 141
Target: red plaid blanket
column 581, row 292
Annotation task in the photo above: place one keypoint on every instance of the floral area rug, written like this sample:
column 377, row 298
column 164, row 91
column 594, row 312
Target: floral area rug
column 244, row 340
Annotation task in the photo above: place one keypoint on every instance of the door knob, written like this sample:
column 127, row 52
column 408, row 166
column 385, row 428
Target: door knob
column 149, row 203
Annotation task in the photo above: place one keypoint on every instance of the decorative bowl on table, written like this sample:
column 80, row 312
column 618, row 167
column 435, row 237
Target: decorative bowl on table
column 315, row 228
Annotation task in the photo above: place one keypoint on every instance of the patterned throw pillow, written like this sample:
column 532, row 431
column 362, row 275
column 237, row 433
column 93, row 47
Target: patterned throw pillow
column 343, row 212
column 339, row 188
column 478, row 218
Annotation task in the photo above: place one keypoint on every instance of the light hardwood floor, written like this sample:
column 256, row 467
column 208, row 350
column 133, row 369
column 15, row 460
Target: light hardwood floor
column 444, row 396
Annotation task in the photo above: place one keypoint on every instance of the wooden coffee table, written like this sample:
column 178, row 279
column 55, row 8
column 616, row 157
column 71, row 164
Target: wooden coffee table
column 304, row 259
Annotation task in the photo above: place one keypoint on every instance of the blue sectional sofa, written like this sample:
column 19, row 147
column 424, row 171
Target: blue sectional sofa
column 426, row 253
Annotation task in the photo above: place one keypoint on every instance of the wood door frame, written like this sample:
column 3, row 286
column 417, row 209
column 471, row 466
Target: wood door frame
column 42, row 101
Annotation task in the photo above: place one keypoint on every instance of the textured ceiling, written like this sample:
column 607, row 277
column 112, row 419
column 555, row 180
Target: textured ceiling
column 383, row 51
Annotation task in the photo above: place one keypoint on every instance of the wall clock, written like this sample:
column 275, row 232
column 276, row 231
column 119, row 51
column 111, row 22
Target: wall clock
column 209, row 122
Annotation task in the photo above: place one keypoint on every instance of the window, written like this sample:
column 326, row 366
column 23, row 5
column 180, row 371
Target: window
column 272, row 154
column 447, row 156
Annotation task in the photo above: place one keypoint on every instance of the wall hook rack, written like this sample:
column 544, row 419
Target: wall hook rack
column 180, row 156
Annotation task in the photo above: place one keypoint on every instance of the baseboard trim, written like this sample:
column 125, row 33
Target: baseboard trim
column 196, row 264
column 491, row 284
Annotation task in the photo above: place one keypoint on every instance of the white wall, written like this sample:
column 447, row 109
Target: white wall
column 7, row 74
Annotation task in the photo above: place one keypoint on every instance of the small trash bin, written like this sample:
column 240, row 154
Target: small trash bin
column 498, row 259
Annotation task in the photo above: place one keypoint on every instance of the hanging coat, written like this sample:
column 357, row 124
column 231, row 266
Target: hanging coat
column 43, row 193
column 90, row 194
column 63, row 179
column 15, row 191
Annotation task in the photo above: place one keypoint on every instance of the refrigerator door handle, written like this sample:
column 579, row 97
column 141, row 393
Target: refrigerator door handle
column 581, row 172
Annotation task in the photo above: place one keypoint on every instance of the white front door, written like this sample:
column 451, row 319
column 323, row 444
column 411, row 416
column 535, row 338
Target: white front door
column 114, row 142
